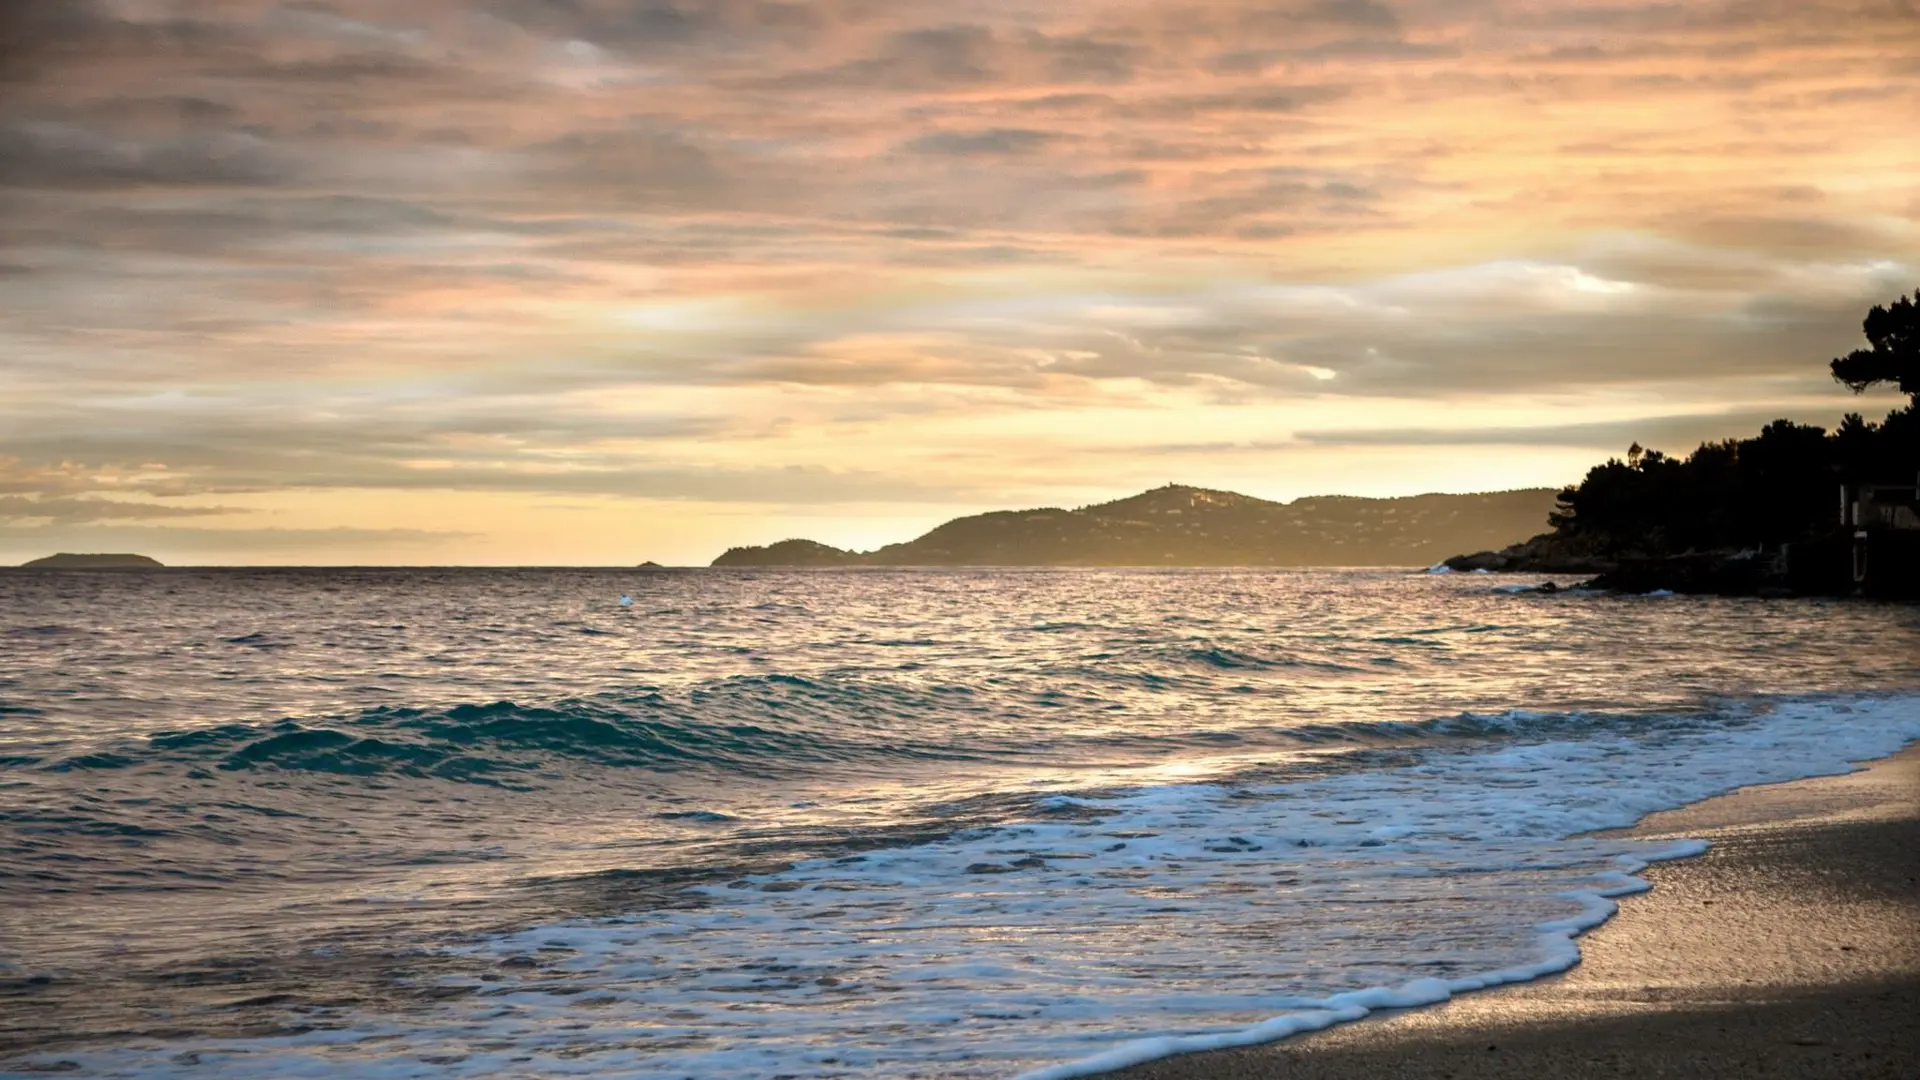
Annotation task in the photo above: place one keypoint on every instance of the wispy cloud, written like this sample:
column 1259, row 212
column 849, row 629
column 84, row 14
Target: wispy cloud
column 1673, row 434
column 15, row 508
column 178, row 544
column 724, row 250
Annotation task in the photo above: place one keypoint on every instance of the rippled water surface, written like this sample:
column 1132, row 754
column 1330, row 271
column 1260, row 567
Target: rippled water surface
column 265, row 823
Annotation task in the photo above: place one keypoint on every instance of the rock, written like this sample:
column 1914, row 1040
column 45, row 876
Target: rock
column 1479, row 560
column 1547, row 553
column 1718, row 573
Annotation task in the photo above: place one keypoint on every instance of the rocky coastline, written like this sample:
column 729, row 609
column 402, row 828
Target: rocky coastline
column 1544, row 554
column 1814, row 568
column 1718, row 573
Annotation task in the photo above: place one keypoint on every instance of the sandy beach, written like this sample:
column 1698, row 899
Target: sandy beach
column 1790, row 949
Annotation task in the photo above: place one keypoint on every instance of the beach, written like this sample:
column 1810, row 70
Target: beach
column 1790, row 949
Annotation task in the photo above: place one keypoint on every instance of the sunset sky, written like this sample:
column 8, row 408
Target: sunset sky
column 597, row 281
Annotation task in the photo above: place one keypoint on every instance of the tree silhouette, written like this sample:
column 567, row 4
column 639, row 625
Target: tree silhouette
column 1894, row 333
column 1772, row 488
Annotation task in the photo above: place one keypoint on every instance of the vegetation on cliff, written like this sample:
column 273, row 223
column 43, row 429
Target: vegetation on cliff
column 1778, row 487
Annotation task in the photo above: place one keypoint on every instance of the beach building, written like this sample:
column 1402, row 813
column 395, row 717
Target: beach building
column 1881, row 524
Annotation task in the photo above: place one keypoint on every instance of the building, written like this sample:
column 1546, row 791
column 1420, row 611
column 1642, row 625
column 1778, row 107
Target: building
column 1882, row 523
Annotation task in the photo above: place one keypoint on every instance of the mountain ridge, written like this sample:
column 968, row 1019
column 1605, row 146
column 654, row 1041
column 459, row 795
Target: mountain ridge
column 1182, row 525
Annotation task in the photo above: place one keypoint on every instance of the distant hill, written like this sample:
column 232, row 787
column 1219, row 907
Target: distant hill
column 68, row 561
column 1187, row 526
column 789, row 553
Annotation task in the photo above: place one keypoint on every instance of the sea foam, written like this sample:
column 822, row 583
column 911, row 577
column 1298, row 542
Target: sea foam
column 1110, row 928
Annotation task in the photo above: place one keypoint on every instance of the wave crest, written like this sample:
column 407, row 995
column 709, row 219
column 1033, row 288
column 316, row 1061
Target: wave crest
column 725, row 726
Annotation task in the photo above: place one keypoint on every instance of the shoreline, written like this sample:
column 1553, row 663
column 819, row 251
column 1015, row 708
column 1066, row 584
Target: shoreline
column 1791, row 947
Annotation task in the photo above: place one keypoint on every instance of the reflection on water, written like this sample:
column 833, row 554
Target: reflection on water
column 232, row 797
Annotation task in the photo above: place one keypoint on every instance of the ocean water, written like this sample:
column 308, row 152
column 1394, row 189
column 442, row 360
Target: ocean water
column 479, row 823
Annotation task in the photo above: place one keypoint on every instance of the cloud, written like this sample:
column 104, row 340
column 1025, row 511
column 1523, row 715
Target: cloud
column 991, row 143
column 1364, row 49
column 1677, row 434
column 1261, row 98
column 1796, row 236
column 649, row 27
column 231, row 457
column 178, row 545
column 42, row 36
column 645, row 164
column 1080, row 58
column 61, row 157
column 1368, row 13
column 58, row 478
column 160, row 114
column 926, row 58
column 344, row 68
column 688, row 249
column 82, row 511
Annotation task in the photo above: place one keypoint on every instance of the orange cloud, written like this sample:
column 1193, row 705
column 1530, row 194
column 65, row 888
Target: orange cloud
column 293, row 250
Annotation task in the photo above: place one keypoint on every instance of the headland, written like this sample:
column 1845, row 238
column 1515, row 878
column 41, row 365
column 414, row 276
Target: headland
column 1793, row 510
column 1178, row 525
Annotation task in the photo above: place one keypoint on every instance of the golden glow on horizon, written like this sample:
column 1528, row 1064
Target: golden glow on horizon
column 573, row 294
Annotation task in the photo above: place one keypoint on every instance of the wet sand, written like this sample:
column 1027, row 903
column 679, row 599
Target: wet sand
column 1790, row 949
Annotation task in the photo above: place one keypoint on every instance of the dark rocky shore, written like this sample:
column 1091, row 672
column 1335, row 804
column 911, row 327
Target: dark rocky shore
column 1544, row 554
column 1822, row 567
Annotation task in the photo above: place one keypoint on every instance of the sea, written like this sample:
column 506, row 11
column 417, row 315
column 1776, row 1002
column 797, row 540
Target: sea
column 756, row 824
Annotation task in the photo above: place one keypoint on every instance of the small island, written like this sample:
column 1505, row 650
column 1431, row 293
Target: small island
column 69, row 561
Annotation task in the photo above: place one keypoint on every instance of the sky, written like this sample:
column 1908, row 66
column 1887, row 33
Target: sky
column 598, row 281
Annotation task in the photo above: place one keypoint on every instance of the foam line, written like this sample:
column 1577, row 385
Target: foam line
column 1556, row 939
column 1105, row 928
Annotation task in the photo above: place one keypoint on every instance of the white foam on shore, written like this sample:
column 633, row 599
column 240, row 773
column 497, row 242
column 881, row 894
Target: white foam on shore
column 1107, row 930
column 1556, row 940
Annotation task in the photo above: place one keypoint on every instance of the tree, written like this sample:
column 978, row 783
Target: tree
column 1771, row 488
column 1894, row 333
